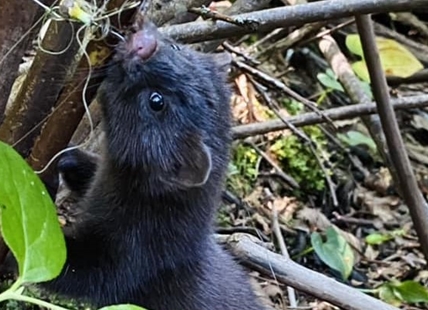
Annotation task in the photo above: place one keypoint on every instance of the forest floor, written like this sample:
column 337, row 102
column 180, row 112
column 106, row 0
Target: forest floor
column 312, row 178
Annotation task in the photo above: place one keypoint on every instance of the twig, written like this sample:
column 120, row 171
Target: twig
column 418, row 49
column 281, row 86
column 292, row 38
column 418, row 77
column 277, row 231
column 353, row 87
column 330, row 184
column 239, row 6
column 207, row 13
column 301, row 135
column 413, row 21
column 290, row 180
column 327, row 32
column 406, row 180
column 348, row 112
column 299, row 277
column 287, row 16
column 162, row 12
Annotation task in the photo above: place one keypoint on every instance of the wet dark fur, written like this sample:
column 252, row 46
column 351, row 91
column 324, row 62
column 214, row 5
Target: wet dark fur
column 142, row 238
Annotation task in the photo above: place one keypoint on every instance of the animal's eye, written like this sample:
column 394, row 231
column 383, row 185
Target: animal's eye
column 175, row 47
column 156, row 102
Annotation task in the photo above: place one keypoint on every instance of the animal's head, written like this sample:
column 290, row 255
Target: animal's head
column 167, row 109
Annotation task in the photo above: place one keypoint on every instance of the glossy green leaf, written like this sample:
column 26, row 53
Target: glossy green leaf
column 411, row 292
column 28, row 220
column 335, row 252
column 123, row 307
column 377, row 238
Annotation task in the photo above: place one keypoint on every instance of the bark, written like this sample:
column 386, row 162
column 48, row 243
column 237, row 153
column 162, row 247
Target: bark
column 16, row 18
column 303, row 279
column 41, row 87
column 298, row 15
column 312, row 118
column 405, row 178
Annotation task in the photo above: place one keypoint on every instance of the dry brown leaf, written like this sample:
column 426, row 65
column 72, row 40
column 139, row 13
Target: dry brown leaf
column 422, row 276
column 323, row 305
column 394, row 270
column 419, row 122
column 380, row 182
column 258, row 219
column 286, row 207
column 370, row 253
column 246, row 106
column 413, row 260
column 382, row 207
column 220, row 5
column 254, row 197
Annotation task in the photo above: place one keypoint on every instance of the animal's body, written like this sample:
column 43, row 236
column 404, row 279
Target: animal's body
column 144, row 235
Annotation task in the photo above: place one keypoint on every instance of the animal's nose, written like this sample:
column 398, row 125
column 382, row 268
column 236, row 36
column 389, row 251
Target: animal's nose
column 143, row 41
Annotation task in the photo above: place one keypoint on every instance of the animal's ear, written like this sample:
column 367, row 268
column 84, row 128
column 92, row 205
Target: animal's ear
column 223, row 60
column 196, row 167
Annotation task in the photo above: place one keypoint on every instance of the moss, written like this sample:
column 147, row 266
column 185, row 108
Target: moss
column 298, row 160
column 243, row 170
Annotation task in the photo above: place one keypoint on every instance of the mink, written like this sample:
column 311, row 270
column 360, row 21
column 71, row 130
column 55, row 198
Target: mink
column 144, row 235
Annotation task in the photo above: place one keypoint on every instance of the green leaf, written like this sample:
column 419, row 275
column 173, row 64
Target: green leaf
column 123, row 307
column 377, row 238
column 353, row 43
column 410, row 292
column 367, row 88
column 360, row 69
column 28, row 220
column 396, row 59
column 354, row 138
column 335, row 252
column 329, row 81
column 386, row 293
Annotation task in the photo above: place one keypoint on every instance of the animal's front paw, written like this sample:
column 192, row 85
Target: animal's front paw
column 77, row 169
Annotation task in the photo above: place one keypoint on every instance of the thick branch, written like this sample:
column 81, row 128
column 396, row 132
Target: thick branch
column 287, row 16
column 301, row 278
column 406, row 179
column 41, row 87
column 16, row 18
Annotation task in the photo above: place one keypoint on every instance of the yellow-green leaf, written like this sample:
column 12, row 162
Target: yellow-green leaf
column 396, row 59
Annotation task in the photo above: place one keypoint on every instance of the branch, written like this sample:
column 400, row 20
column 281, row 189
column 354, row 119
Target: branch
column 405, row 177
column 299, row 277
column 172, row 11
column 239, row 6
column 287, row 16
column 353, row 86
column 41, row 87
column 312, row 118
column 16, row 17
